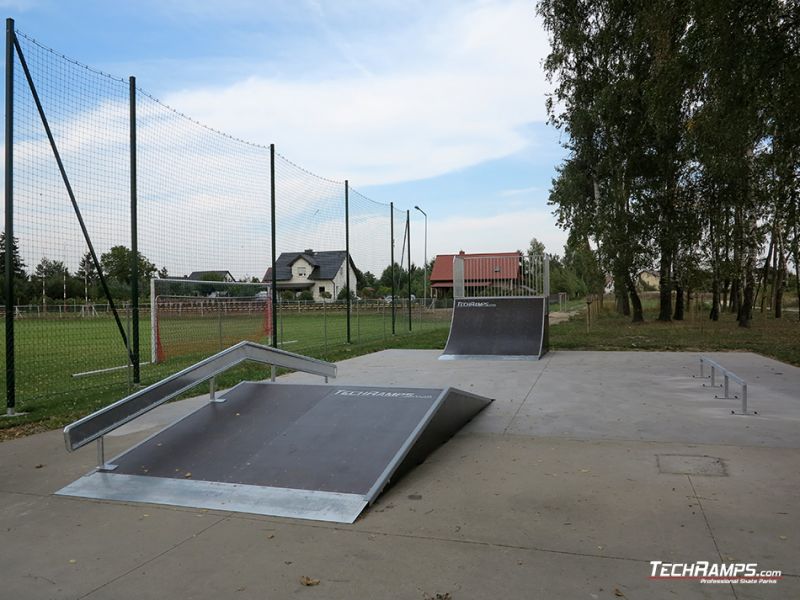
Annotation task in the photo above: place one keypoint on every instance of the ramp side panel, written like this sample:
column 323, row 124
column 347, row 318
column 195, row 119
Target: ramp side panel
column 453, row 410
column 308, row 437
column 512, row 327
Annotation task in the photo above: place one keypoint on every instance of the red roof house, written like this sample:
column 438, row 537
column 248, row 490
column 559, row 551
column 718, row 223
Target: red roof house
column 480, row 270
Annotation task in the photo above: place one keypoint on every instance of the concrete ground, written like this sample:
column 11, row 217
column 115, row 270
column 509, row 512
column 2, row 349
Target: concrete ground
column 587, row 466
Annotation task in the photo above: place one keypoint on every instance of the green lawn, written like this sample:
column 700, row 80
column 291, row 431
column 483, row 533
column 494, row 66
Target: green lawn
column 778, row 338
column 49, row 351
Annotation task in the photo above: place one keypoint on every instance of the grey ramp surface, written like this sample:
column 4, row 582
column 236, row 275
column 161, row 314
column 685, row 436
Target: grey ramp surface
column 306, row 451
column 498, row 328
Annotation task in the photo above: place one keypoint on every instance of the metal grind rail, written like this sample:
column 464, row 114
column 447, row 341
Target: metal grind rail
column 727, row 376
column 98, row 424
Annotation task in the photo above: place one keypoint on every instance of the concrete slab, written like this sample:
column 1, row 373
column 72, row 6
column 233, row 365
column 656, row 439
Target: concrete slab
column 554, row 491
column 63, row 548
column 592, row 498
column 268, row 560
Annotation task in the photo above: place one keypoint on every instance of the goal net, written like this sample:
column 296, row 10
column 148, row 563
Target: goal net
column 198, row 318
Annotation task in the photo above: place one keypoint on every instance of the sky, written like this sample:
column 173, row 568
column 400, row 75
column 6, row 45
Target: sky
column 435, row 104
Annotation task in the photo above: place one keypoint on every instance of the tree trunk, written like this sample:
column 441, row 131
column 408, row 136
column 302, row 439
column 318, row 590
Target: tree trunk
column 734, row 297
column 714, row 314
column 665, row 286
column 636, row 302
column 679, row 305
column 777, row 283
column 726, row 294
column 746, row 307
column 762, row 284
column 623, row 306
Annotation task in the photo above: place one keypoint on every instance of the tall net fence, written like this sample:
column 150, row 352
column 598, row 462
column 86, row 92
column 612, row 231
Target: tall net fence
column 201, row 220
column 64, row 326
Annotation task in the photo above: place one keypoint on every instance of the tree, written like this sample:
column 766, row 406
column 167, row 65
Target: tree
column 86, row 269
column 367, row 280
column 22, row 288
column 684, row 152
column 116, row 265
column 344, row 292
column 535, row 248
column 50, row 269
column 18, row 267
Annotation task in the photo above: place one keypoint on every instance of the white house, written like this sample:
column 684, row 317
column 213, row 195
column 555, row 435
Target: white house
column 321, row 273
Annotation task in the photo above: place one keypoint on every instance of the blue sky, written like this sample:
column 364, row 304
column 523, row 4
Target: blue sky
column 439, row 104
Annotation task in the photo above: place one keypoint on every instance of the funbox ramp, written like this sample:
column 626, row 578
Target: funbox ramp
column 305, row 451
column 498, row 328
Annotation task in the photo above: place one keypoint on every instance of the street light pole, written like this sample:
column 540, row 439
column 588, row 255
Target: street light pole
column 425, row 281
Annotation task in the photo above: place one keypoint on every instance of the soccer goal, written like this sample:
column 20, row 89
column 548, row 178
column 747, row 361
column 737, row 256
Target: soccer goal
column 196, row 318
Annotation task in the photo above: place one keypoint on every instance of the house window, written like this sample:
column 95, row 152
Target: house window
column 322, row 289
column 301, row 271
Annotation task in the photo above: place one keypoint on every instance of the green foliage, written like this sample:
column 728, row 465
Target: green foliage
column 116, row 265
column 684, row 149
column 401, row 281
column 18, row 266
column 344, row 292
column 536, row 248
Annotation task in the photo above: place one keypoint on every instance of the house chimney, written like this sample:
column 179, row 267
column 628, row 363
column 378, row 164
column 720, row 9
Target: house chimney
column 460, row 252
column 308, row 251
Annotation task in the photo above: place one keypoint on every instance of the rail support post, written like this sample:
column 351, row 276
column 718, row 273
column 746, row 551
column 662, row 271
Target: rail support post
column 102, row 465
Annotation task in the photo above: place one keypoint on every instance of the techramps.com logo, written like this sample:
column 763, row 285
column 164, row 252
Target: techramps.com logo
column 475, row 304
column 708, row 572
column 381, row 394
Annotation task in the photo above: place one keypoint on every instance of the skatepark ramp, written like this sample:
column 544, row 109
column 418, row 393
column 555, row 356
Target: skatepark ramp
column 498, row 328
column 321, row 452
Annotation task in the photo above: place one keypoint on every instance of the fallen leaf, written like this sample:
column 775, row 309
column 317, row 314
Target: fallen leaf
column 308, row 581
column 618, row 593
column 187, row 475
column 783, row 537
column 270, row 536
column 39, row 466
column 72, row 561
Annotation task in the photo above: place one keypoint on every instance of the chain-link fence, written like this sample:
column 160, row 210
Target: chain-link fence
column 108, row 189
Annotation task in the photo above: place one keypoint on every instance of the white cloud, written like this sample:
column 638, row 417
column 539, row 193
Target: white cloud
column 521, row 191
column 503, row 232
column 453, row 95
column 449, row 91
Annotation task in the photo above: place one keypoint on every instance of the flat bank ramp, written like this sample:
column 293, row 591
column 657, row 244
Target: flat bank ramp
column 306, row 451
column 502, row 328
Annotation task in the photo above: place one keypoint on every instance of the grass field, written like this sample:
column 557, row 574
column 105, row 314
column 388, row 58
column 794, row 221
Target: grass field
column 778, row 338
column 50, row 351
